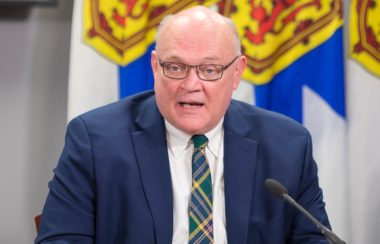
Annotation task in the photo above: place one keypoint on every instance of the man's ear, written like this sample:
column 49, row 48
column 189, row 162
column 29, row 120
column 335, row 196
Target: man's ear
column 240, row 67
column 154, row 62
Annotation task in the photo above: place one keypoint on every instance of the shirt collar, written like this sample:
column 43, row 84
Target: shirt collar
column 179, row 141
column 214, row 138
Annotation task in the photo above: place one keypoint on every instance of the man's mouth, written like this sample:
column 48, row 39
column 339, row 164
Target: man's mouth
column 190, row 104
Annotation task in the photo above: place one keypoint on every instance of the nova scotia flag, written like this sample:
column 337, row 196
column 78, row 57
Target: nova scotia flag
column 311, row 90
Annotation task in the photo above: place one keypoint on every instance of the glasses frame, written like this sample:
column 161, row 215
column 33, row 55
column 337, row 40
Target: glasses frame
column 223, row 67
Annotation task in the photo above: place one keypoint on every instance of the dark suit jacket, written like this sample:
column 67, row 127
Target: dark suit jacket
column 113, row 185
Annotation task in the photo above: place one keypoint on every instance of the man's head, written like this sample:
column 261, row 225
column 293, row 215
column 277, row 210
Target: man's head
column 197, row 36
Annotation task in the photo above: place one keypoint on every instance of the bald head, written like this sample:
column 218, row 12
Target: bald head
column 199, row 20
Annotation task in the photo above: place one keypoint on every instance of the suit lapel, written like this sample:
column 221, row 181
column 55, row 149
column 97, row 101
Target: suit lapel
column 239, row 166
column 152, row 157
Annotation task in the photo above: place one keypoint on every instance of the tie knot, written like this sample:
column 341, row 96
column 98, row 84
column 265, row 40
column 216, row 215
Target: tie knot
column 200, row 141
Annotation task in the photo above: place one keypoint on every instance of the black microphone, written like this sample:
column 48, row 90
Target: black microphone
column 281, row 192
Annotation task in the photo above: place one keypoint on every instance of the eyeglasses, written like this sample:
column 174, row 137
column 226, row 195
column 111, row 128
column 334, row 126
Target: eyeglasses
column 206, row 72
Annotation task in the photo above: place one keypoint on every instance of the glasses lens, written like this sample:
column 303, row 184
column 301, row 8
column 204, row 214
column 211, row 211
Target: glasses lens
column 210, row 71
column 175, row 70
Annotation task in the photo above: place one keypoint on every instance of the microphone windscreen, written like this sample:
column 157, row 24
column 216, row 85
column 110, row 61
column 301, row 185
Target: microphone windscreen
column 275, row 187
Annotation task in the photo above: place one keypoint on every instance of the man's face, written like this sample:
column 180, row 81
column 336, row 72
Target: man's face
column 192, row 105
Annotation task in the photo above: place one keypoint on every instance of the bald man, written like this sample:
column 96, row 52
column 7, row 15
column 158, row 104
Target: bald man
column 184, row 163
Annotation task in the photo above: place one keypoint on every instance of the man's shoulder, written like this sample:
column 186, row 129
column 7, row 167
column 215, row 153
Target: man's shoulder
column 260, row 119
column 128, row 104
column 250, row 111
column 124, row 111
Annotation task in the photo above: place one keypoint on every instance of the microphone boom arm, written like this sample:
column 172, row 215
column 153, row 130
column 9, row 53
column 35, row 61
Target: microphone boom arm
column 279, row 190
column 330, row 236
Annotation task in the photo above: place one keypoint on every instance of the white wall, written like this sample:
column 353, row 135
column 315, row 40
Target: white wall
column 34, row 58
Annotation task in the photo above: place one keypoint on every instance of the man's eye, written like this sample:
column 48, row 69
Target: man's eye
column 174, row 67
column 209, row 70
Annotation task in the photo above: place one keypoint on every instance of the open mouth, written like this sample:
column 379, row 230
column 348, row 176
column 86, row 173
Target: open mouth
column 190, row 105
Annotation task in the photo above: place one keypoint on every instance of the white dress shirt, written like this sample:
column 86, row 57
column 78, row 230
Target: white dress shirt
column 180, row 149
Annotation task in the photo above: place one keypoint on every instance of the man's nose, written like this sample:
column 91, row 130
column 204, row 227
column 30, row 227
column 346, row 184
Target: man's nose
column 192, row 81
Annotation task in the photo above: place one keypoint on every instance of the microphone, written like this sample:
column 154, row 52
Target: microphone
column 277, row 189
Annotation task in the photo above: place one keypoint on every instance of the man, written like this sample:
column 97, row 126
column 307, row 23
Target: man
column 126, row 172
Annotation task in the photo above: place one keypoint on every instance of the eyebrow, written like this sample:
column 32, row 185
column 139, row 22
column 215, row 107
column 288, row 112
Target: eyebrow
column 178, row 59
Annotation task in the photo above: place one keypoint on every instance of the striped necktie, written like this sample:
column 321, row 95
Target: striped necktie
column 200, row 209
